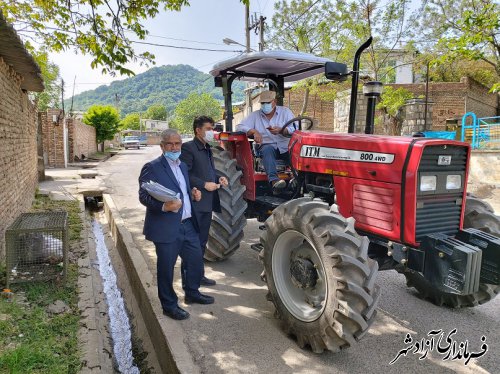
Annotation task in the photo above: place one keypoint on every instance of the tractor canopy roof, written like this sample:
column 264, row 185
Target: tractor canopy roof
column 291, row 66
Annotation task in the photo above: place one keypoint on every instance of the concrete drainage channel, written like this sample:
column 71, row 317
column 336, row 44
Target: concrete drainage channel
column 132, row 349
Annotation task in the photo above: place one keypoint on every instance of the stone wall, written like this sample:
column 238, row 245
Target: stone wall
column 414, row 116
column 18, row 155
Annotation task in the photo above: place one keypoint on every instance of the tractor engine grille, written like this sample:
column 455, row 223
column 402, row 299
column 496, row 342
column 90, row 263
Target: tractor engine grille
column 440, row 213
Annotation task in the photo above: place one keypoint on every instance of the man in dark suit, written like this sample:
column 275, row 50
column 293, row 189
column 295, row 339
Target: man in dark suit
column 197, row 154
column 172, row 226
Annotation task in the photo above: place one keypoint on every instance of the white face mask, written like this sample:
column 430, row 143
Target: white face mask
column 209, row 136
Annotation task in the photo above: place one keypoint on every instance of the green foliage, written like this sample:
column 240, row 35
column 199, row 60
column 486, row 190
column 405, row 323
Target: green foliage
column 168, row 85
column 393, row 99
column 92, row 27
column 105, row 119
column 465, row 30
column 195, row 105
column 131, row 122
column 51, row 95
column 390, row 104
column 156, row 111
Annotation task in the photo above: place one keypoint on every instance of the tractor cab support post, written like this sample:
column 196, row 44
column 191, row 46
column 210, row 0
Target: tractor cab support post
column 227, row 82
column 354, row 89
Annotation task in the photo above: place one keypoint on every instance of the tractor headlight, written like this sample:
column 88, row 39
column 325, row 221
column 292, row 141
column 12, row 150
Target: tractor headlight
column 453, row 182
column 428, row 183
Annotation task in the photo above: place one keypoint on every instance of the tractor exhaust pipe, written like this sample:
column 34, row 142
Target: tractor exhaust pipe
column 354, row 89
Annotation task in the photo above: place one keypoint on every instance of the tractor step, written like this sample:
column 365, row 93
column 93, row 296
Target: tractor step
column 270, row 201
column 257, row 247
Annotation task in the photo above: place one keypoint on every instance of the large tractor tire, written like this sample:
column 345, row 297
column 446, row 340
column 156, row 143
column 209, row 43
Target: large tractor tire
column 479, row 215
column 320, row 278
column 226, row 230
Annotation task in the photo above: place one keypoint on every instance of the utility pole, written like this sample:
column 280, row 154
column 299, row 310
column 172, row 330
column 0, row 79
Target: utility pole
column 62, row 94
column 72, row 97
column 247, row 26
column 261, row 32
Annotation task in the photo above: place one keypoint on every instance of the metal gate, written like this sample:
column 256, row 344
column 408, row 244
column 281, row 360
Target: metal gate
column 481, row 133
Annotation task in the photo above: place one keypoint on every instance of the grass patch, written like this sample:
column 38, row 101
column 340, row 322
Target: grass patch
column 32, row 340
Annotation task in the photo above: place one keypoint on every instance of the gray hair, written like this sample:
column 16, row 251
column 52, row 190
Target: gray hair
column 166, row 134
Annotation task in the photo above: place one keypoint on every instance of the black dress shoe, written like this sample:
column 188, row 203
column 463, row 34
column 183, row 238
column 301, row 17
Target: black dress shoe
column 207, row 282
column 176, row 313
column 199, row 299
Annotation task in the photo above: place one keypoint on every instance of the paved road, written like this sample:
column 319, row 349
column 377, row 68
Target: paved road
column 239, row 334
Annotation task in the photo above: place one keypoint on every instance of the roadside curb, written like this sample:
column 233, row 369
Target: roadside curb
column 167, row 336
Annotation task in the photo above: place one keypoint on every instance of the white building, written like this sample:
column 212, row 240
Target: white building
column 155, row 125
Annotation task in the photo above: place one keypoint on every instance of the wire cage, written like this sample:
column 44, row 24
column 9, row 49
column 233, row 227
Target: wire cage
column 37, row 247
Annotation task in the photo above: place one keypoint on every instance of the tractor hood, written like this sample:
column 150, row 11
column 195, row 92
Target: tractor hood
column 372, row 157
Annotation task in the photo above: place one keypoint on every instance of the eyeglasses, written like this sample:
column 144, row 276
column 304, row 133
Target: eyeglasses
column 170, row 144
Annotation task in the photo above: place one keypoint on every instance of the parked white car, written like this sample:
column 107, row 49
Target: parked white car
column 131, row 142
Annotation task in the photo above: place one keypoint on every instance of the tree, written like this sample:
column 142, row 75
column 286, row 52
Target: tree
column 336, row 28
column 192, row 106
column 105, row 119
column 91, row 27
column 301, row 26
column 51, row 95
column 156, row 111
column 392, row 100
column 131, row 122
column 464, row 29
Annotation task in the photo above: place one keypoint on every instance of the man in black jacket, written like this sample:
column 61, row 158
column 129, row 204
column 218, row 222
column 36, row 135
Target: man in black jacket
column 197, row 155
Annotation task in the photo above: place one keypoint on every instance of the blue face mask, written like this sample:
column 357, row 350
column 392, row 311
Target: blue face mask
column 172, row 155
column 266, row 108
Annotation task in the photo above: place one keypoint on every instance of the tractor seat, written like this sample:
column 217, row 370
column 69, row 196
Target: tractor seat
column 281, row 166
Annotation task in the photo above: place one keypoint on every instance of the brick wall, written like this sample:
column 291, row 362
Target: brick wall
column 53, row 145
column 320, row 110
column 454, row 99
column 18, row 155
column 82, row 139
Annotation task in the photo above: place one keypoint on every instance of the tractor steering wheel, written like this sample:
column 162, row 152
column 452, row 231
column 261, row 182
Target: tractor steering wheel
column 299, row 119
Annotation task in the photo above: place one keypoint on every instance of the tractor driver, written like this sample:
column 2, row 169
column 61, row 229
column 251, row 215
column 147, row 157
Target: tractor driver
column 265, row 126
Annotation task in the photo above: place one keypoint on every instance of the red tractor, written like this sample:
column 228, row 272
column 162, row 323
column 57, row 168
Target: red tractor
column 355, row 204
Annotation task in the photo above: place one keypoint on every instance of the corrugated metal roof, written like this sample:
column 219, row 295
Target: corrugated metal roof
column 14, row 53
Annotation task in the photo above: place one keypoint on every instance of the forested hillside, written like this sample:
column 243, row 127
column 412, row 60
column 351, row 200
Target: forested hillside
column 167, row 85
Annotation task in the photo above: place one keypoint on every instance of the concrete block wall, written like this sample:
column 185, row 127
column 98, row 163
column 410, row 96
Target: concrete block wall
column 18, row 150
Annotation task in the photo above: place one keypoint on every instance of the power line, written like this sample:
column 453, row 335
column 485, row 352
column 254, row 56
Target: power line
column 154, row 44
column 190, row 48
column 181, row 40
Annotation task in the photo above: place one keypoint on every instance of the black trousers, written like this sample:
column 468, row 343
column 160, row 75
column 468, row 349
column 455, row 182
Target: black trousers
column 187, row 246
column 204, row 221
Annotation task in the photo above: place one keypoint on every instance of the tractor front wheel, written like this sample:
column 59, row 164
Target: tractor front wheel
column 479, row 215
column 320, row 278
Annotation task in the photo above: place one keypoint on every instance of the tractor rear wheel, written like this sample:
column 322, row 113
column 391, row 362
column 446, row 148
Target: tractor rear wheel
column 479, row 215
column 320, row 278
column 226, row 230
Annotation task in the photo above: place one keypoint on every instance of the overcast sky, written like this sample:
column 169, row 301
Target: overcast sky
column 205, row 23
